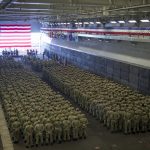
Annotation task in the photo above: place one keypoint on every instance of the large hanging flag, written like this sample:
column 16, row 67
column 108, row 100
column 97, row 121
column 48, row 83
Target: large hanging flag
column 15, row 35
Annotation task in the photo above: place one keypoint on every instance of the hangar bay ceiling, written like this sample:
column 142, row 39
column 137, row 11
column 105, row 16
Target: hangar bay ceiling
column 69, row 10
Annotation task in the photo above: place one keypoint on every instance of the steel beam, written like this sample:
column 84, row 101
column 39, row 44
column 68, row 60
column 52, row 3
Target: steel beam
column 7, row 3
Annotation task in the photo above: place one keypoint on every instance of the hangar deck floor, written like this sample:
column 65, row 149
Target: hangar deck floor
column 1, row 146
column 100, row 138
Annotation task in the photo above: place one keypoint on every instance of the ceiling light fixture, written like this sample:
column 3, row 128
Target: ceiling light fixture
column 113, row 22
column 98, row 22
column 91, row 22
column 86, row 22
column 132, row 21
column 121, row 21
column 144, row 20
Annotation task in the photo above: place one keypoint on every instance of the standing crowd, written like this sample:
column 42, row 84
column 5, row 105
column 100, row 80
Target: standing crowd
column 36, row 113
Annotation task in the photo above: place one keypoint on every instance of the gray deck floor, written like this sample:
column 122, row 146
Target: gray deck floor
column 1, row 146
column 100, row 138
column 4, row 132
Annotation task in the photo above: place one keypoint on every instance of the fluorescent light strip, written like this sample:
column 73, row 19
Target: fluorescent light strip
column 113, row 22
column 121, row 21
column 98, row 22
column 144, row 20
column 132, row 21
column 91, row 22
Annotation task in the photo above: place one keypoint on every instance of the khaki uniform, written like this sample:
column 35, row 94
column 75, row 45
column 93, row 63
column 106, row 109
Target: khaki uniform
column 66, row 130
column 38, row 130
column 15, row 131
column 49, row 130
column 28, row 134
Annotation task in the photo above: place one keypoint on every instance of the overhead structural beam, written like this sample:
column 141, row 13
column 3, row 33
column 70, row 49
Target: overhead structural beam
column 83, row 2
column 22, row 15
column 122, row 8
column 7, row 4
column 57, row 4
column 144, row 2
column 48, row 13
column 51, row 7
column 26, row 12
column 66, row 2
column 131, row 7
column 47, row 10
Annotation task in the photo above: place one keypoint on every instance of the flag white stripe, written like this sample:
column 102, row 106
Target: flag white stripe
column 19, row 44
column 13, row 35
column 5, row 31
column 15, row 38
column 5, row 27
column 2, row 41
column 6, row 46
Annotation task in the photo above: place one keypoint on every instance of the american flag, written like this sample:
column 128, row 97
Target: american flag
column 15, row 35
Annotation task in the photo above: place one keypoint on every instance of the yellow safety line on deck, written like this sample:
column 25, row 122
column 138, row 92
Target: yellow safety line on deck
column 4, row 132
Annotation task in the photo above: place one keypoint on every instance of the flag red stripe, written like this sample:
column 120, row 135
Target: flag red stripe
column 14, row 29
column 13, row 32
column 8, row 43
column 19, row 25
column 25, row 39
column 29, row 46
column 15, row 35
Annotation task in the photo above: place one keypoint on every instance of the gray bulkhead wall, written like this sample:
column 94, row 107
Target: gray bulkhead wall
column 134, row 76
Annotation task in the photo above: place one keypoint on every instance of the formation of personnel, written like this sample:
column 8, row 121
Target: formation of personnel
column 36, row 63
column 118, row 107
column 37, row 113
column 8, row 53
column 9, row 63
column 32, row 52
